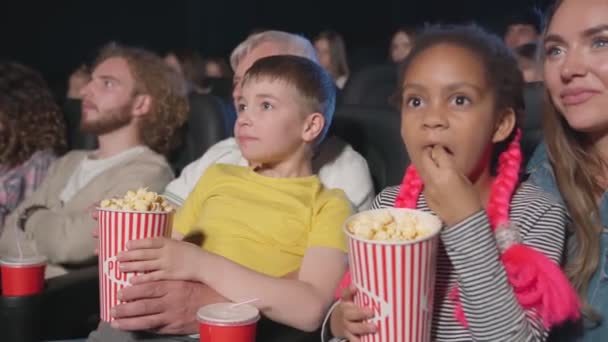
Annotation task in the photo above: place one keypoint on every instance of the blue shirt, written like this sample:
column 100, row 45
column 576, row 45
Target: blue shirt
column 541, row 174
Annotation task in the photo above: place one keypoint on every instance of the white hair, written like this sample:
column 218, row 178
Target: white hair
column 293, row 44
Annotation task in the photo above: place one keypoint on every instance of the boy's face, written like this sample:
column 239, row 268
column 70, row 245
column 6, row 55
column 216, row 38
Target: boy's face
column 448, row 102
column 272, row 124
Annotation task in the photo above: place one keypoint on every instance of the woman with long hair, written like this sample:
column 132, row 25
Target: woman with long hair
column 332, row 56
column 573, row 162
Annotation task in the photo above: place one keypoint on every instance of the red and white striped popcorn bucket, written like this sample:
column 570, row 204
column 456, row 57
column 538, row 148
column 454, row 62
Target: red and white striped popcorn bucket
column 116, row 228
column 396, row 279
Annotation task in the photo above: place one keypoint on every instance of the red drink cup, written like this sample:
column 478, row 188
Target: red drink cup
column 22, row 276
column 396, row 279
column 224, row 323
column 116, row 228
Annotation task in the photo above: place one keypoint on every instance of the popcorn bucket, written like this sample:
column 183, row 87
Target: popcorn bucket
column 116, row 228
column 396, row 279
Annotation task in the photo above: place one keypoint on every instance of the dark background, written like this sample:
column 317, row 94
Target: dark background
column 55, row 36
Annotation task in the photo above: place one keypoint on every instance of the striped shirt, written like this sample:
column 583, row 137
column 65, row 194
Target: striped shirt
column 468, row 253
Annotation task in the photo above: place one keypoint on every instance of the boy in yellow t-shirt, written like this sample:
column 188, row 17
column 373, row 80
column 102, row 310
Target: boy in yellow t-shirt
column 271, row 231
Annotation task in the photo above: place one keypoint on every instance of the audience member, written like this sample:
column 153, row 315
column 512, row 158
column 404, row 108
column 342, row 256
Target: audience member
column 32, row 134
column 217, row 68
column 133, row 103
column 78, row 80
column 571, row 164
column 458, row 114
column 331, row 51
column 522, row 28
column 527, row 59
column 401, row 44
column 191, row 66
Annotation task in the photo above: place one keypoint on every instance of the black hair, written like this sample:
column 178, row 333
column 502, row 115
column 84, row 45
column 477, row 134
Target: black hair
column 529, row 16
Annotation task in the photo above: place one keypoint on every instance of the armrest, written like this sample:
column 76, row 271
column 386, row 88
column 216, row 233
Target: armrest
column 70, row 304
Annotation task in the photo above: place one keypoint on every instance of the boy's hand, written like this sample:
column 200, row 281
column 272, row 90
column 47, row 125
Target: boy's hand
column 163, row 258
column 447, row 191
column 348, row 319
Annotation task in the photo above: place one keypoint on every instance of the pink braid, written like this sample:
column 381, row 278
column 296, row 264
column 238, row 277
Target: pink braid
column 539, row 284
column 507, row 179
column 410, row 190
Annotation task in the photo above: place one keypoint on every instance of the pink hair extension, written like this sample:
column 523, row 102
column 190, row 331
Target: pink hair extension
column 503, row 187
column 410, row 190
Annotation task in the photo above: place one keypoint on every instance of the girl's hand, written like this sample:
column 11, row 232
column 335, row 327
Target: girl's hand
column 448, row 192
column 162, row 258
column 348, row 319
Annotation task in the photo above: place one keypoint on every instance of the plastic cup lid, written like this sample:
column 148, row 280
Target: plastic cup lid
column 25, row 261
column 225, row 314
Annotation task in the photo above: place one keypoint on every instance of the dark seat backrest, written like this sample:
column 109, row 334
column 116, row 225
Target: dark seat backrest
column 372, row 86
column 532, row 127
column 376, row 134
column 76, row 140
column 220, row 87
column 204, row 128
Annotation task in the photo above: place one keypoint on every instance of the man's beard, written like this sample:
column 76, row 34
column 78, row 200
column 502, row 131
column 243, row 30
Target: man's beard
column 108, row 122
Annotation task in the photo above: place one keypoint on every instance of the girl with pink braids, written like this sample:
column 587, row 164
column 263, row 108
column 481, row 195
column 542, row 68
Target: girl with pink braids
column 498, row 274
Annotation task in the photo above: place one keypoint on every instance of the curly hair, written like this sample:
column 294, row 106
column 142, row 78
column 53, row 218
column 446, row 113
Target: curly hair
column 169, row 108
column 31, row 119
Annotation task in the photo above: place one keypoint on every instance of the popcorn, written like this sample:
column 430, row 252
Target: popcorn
column 140, row 200
column 384, row 226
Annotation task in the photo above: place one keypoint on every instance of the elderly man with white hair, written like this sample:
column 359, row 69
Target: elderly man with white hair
column 169, row 307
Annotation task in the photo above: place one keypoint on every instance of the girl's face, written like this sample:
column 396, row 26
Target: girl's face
column 449, row 102
column 576, row 64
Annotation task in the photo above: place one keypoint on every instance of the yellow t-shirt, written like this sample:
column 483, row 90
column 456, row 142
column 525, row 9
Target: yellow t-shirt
column 263, row 223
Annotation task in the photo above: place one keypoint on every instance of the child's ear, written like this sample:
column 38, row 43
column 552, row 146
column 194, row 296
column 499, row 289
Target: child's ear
column 313, row 127
column 505, row 125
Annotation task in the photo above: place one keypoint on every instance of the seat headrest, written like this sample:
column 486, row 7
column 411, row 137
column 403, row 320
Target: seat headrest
column 533, row 97
column 376, row 134
column 204, row 128
column 76, row 140
column 372, row 86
